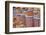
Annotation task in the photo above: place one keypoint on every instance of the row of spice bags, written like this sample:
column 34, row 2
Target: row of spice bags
column 26, row 17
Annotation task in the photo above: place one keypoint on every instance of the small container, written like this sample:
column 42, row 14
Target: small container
column 36, row 22
column 14, row 11
column 20, row 21
column 29, row 21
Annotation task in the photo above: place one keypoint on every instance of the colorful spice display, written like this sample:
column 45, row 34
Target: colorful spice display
column 26, row 17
